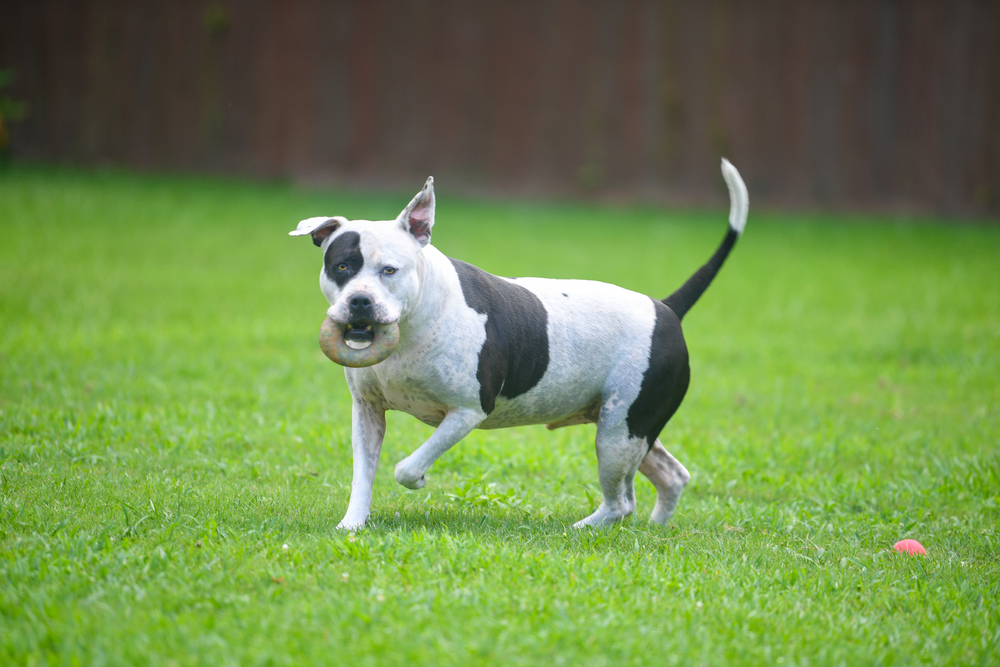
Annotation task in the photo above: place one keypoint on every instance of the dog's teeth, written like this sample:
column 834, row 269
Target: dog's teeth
column 358, row 344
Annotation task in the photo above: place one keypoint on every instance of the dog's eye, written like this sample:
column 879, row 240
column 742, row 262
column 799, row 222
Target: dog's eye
column 342, row 267
column 389, row 270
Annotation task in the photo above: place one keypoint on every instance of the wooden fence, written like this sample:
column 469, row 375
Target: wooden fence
column 842, row 103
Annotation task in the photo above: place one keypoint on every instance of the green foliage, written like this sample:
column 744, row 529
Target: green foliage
column 476, row 492
column 174, row 448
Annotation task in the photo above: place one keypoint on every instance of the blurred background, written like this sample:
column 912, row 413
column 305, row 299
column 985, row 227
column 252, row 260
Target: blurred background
column 877, row 105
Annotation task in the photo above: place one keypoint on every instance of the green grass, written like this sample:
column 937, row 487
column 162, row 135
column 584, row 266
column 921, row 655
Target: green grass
column 174, row 449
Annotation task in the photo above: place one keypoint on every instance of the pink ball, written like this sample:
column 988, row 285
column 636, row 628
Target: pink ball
column 911, row 547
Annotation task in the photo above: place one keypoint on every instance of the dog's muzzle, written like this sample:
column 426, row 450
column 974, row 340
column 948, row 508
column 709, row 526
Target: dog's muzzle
column 358, row 344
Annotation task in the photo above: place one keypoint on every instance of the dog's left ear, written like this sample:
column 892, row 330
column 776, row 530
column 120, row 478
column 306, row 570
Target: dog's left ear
column 318, row 228
column 418, row 217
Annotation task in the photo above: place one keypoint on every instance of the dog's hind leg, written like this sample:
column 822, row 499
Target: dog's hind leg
column 618, row 457
column 669, row 478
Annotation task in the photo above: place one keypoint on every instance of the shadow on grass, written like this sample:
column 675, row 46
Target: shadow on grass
column 519, row 527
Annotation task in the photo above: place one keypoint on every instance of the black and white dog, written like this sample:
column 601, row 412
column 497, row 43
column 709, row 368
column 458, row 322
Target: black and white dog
column 460, row 349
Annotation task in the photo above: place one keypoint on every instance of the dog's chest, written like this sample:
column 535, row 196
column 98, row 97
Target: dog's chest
column 412, row 396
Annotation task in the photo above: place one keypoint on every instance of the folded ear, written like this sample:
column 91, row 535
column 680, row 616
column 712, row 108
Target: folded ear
column 418, row 217
column 319, row 228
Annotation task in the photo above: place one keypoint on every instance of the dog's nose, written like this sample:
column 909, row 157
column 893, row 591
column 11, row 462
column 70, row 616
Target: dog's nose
column 361, row 306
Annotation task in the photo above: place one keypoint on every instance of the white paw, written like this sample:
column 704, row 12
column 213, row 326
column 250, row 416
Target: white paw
column 604, row 516
column 662, row 513
column 351, row 524
column 411, row 479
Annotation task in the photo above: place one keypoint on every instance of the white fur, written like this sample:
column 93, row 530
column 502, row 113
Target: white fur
column 739, row 199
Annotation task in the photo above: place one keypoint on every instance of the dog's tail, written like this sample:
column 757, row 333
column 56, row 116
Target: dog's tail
column 739, row 203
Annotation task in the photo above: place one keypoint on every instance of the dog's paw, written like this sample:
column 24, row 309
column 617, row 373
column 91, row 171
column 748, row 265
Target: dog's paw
column 350, row 524
column 407, row 477
column 604, row 516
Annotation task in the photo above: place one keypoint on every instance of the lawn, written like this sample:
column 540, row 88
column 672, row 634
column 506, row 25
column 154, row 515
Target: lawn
column 175, row 450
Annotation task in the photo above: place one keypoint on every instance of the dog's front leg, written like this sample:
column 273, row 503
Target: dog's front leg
column 457, row 424
column 367, row 432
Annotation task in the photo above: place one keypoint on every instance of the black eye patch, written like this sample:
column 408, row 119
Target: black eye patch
column 343, row 259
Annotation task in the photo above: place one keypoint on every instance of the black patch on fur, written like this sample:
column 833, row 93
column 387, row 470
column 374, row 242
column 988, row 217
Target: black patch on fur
column 515, row 354
column 665, row 381
column 345, row 249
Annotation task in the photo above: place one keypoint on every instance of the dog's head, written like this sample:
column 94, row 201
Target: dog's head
column 369, row 273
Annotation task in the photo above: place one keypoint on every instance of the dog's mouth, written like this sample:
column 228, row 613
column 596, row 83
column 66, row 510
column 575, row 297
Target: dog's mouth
column 359, row 335
column 358, row 344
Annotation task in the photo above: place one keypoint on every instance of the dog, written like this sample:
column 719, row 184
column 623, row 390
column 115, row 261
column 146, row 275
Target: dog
column 461, row 349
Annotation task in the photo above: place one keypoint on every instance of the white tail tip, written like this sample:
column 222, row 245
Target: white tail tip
column 739, row 199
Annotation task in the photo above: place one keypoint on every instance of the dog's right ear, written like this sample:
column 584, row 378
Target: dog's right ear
column 319, row 228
